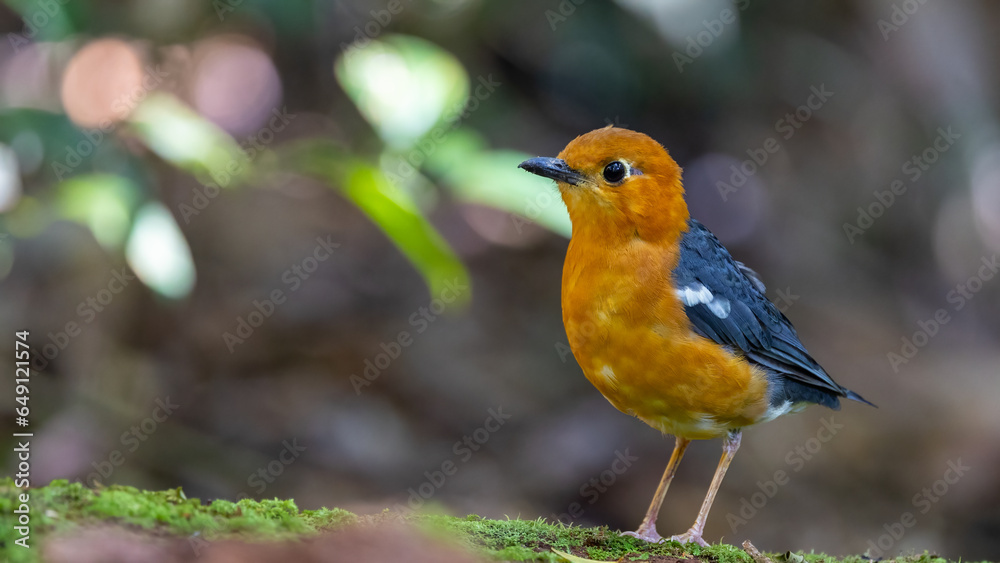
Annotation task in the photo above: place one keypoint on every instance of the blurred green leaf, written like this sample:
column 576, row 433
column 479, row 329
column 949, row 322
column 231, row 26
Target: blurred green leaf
column 102, row 202
column 6, row 255
column 388, row 207
column 10, row 178
column 403, row 86
column 29, row 218
column 41, row 21
column 180, row 136
column 492, row 178
column 159, row 254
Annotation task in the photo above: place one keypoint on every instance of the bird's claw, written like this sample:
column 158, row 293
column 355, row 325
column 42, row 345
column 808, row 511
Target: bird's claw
column 645, row 535
column 690, row 536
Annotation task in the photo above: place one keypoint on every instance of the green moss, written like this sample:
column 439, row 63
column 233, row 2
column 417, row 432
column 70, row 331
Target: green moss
column 533, row 540
column 62, row 505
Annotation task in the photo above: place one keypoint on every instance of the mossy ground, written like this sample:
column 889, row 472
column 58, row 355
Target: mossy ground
column 62, row 506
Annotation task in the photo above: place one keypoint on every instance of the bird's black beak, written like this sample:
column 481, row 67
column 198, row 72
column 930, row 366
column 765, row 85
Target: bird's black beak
column 553, row 168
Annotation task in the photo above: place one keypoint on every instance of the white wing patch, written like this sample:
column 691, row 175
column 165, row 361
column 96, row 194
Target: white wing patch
column 697, row 293
column 692, row 295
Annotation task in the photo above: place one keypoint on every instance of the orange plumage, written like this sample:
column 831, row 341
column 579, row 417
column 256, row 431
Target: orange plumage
column 617, row 277
column 661, row 319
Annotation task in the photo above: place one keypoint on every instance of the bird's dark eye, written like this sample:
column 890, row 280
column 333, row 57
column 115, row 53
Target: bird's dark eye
column 614, row 172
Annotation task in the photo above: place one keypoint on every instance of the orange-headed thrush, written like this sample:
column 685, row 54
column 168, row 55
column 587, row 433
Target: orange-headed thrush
column 661, row 318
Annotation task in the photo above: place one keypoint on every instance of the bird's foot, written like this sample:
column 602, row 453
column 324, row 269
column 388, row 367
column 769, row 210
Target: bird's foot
column 690, row 536
column 645, row 534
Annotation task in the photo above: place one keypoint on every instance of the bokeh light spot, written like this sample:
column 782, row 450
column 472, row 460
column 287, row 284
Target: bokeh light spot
column 956, row 242
column 27, row 79
column 403, row 86
column 102, row 202
column 102, row 82
column 986, row 195
column 10, row 178
column 729, row 202
column 235, row 84
column 159, row 254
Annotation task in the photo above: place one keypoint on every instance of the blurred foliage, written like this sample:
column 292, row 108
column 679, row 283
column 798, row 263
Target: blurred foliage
column 186, row 140
column 103, row 202
column 420, row 131
column 388, row 206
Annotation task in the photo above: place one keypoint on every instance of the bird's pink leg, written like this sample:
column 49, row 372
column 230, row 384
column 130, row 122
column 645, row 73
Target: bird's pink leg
column 729, row 447
column 647, row 530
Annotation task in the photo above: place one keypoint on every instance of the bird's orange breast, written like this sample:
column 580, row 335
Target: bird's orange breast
column 630, row 334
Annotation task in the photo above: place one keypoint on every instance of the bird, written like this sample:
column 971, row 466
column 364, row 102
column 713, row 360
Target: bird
column 662, row 320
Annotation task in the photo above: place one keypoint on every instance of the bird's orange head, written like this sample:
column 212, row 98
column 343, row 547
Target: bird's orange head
column 618, row 184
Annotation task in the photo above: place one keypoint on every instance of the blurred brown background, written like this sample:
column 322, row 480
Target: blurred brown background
column 261, row 325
